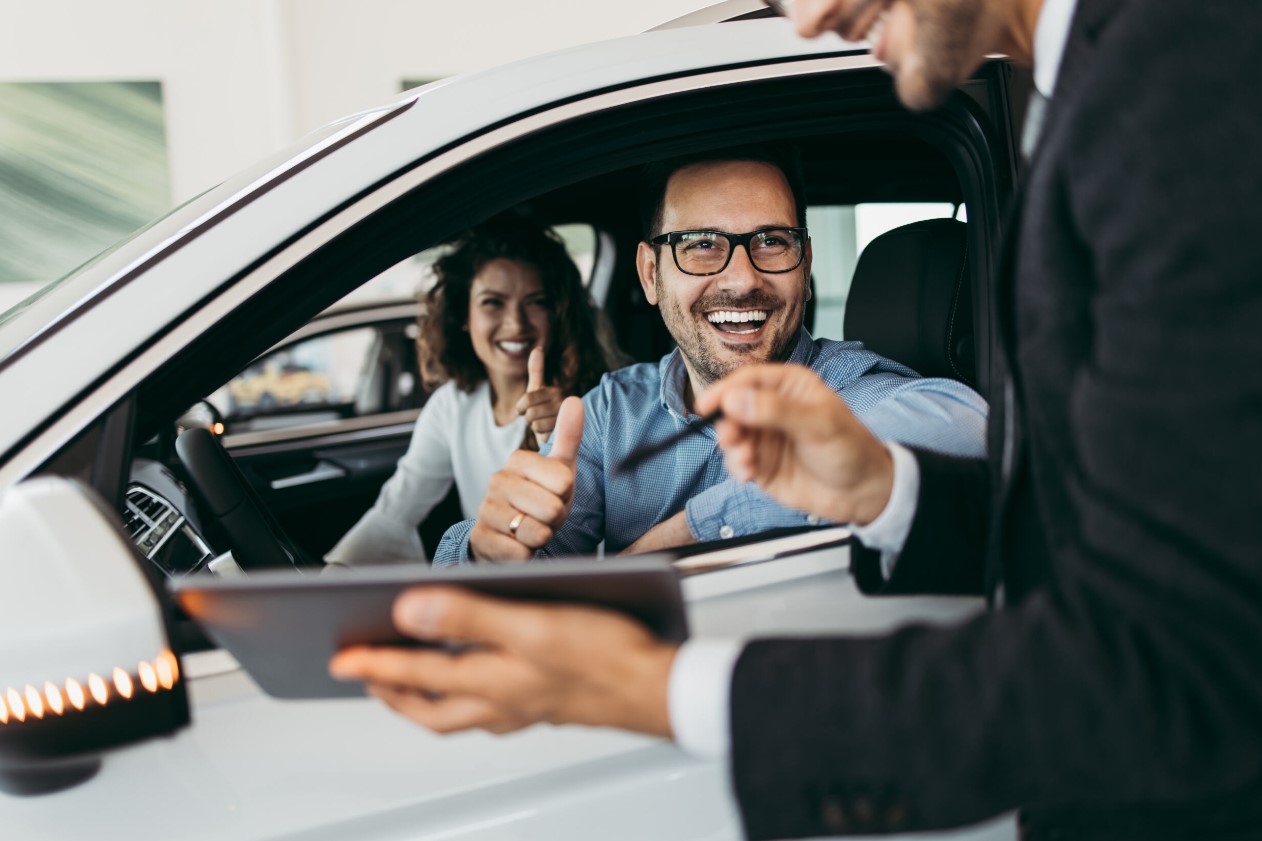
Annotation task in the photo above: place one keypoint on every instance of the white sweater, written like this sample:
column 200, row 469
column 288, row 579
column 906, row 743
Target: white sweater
column 455, row 439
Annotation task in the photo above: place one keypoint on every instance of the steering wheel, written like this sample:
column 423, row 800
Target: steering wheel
column 257, row 541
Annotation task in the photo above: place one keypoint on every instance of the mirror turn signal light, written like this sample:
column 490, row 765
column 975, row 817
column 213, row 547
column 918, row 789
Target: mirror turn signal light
column 16, row 705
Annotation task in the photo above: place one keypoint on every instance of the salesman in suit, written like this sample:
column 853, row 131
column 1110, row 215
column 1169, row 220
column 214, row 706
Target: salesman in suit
column 1116, row 689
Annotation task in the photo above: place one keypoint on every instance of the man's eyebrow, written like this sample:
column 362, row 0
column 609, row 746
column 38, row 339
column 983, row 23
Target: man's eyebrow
column 729, row 231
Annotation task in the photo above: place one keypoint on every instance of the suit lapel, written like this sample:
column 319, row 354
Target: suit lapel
column 1006, row 438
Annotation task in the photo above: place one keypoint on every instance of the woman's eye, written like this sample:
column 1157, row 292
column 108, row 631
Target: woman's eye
column 491, row 302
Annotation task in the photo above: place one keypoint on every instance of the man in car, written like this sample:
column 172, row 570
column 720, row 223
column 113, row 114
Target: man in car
column 1116, row 692
column 728, row 299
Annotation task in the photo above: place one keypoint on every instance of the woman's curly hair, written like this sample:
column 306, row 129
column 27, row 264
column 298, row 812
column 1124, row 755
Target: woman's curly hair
column 575, row 358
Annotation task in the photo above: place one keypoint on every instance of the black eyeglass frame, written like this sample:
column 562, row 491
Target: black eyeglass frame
column 734, row 241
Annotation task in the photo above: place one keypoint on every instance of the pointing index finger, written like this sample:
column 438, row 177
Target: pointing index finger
column 740, row 381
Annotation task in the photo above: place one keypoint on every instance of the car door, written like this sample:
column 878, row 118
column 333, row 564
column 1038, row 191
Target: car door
column 318, row 423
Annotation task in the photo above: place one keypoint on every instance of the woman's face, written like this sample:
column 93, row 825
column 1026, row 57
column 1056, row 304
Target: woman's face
column 508, row 316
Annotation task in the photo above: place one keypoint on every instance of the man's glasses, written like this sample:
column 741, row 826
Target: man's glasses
column 701, row 253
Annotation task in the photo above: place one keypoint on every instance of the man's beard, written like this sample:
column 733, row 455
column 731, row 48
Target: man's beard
column 944, row 51
column 697, row 341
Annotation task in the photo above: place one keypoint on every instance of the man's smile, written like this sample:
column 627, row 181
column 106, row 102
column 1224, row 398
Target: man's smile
column 746, row 324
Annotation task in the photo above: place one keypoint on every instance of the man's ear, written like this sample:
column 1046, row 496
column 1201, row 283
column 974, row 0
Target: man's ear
column 806, row 270
column 646, row 265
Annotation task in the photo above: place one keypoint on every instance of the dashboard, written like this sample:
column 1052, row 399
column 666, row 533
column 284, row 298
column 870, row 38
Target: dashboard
column 161, row 519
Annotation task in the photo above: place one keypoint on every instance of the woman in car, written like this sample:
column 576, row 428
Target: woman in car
column 507, row 333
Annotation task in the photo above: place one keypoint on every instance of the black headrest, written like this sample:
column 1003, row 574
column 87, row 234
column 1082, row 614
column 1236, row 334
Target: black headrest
column 911, row 299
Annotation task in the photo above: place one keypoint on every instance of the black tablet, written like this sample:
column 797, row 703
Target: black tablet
column 284, row 626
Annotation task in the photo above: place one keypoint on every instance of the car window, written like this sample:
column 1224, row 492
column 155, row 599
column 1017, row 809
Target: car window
column 415, row 275
column 329, row 376
column 350, row 373
column 580, row 242
column 839, row 233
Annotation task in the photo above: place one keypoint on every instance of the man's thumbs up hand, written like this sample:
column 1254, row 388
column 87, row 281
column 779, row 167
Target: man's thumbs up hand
column 529, row 499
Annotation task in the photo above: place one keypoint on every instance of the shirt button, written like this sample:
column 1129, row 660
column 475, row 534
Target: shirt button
column 726, row 531
column 813, row 520
column 833, row 815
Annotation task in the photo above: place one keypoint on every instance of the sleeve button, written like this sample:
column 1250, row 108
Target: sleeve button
column 726, row 532
column 813, row 520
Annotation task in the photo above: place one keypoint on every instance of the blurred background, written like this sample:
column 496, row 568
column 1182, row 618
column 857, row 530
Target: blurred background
column 114, row 111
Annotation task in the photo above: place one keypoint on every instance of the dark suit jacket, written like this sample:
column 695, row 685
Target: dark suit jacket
column 1118, row 690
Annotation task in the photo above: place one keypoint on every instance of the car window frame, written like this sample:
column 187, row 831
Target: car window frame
column 961, row 123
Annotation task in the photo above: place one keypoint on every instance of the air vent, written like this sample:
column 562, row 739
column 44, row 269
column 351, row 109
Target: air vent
column 149, row 519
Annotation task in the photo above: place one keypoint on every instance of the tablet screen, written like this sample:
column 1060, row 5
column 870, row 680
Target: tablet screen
column 284, row 626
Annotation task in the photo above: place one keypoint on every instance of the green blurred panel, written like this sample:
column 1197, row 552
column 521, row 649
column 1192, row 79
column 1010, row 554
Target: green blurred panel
column 82, row 165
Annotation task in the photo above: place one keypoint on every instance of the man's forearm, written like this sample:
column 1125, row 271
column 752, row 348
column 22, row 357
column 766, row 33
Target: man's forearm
column 672, row 531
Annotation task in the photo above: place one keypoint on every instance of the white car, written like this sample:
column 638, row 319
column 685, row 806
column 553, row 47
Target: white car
column 118, row 720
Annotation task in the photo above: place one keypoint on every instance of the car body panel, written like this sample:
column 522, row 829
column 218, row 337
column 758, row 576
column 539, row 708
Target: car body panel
column 251, row 767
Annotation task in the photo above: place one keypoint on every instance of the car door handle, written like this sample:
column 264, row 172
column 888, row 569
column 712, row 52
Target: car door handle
column 324, row 471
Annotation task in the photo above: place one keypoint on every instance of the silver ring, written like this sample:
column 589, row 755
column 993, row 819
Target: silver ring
column 516, row 523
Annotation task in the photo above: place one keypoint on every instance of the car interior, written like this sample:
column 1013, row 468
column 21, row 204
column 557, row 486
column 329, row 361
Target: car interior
column 189, row 486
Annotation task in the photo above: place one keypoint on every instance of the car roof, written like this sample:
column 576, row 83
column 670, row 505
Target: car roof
column 724, row 12
column 127, row 301
column 426, row 119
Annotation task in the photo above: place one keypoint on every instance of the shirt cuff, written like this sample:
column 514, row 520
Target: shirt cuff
column 888, row 532
column 700, row 696
column 736, row 509
column 453, row 549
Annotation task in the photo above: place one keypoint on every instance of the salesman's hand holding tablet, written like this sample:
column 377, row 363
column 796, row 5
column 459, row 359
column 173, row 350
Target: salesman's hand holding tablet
column 527, row 663
column 411, row 635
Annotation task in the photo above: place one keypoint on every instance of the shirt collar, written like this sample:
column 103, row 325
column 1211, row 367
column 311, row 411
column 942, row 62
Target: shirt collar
column 1050, row 36
column 674, row 374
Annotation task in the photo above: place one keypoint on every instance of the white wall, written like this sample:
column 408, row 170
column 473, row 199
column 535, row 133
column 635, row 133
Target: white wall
column 242, row 78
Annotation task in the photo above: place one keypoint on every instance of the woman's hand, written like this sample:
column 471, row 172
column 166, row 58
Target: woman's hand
column 541, row 403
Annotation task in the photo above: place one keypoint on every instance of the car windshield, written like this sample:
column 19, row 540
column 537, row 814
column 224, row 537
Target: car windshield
column 53, row 301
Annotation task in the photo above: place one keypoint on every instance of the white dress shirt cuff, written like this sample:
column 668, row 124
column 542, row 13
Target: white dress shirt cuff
column 699, row 696
column 888, row 532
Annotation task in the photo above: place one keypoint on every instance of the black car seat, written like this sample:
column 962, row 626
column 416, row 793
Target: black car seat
column 911, row 299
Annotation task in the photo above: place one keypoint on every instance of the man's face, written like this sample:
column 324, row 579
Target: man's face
column 741, row 315
column 931, row 46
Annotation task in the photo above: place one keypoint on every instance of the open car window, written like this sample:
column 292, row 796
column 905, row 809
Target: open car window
column 329, row 372
column 840, row 233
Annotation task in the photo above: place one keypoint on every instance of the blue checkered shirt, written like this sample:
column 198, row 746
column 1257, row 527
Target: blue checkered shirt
column 645, row 402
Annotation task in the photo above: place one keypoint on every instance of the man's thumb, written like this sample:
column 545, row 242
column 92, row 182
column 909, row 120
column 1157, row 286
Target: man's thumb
column 568, row 431
column 534, row 370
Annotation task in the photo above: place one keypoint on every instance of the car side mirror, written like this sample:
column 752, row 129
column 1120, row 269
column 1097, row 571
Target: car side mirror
column 201, row 415
column 85, row 659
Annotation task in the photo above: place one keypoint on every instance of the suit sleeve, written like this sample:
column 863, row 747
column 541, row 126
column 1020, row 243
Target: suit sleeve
column 946, row 547
column 1131, row 679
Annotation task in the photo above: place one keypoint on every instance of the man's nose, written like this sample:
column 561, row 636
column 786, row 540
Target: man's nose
column 740, row 274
